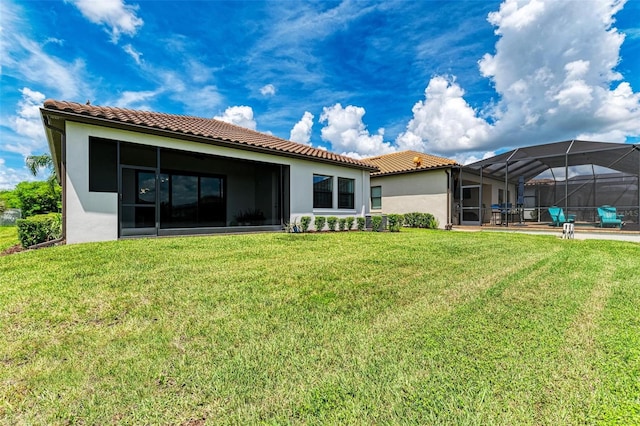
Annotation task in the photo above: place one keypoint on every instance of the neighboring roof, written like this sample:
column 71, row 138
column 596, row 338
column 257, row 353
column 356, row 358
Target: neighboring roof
column 403, row 162
column 179, row 126
column 530, row 161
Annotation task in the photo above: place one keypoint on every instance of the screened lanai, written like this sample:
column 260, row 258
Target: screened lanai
column 578, row 176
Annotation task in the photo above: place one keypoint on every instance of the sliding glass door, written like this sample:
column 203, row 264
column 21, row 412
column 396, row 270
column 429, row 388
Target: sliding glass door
column 189, row 201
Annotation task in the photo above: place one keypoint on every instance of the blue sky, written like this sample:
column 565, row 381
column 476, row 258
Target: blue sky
column 462, row 79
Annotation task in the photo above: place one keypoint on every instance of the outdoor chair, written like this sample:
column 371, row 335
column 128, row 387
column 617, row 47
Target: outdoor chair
column 609, row 216
column 558, row 218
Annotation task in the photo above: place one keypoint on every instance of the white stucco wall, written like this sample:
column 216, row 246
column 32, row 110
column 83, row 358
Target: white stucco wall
column 424, row 192
column 93, row 216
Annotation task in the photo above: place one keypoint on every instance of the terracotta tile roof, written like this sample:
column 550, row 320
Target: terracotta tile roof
column 208, row 128
column 407, row 162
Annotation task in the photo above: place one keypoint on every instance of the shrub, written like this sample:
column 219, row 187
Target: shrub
column 376, row 223
column 411, row 220
column 395, row 222
column 332, row 221
column 420, row 220
column 361, row 223
column 305, row 221
column 319, row 222
column 349, row 224
column 39, row 229
column 431, row 221
column 342, row 223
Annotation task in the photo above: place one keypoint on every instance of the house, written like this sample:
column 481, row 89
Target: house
column 411, row 181
column 128, row 173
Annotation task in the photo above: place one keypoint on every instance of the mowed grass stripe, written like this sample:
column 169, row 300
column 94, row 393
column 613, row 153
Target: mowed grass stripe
column 422, row 327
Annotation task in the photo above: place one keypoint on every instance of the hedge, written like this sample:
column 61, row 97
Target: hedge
column 39, row 229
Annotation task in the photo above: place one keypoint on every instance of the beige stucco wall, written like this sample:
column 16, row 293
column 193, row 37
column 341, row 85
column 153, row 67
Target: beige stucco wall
column 93, row 216
column 424, row 192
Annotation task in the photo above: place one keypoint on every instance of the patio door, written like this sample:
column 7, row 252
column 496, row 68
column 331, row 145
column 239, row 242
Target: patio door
column 138, row 201
column 471, row 205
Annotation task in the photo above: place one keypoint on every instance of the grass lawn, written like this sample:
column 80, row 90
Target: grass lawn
column 8, row 237
column 424, row 327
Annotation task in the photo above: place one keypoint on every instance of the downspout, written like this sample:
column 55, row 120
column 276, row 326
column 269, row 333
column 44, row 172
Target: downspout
column 595, row 189
column 449, row 218
column 481, row 197
column 63, row 172
column 364, row 196
column 460, row 198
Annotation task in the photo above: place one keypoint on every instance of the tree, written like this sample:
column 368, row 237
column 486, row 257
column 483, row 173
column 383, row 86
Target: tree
column 37, row 162
column 9, row 198
column 38, row 198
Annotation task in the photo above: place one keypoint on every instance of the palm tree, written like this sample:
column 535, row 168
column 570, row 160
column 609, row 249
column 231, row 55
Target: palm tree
column 37, row 162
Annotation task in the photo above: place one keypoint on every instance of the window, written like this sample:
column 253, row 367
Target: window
column 376, row 197
column 346, row 193
column 103, row 165
column 322, row 192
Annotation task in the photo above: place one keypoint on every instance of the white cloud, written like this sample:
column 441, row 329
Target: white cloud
column 117, row 17
column 133, row 53
column 472, row 157
column 10, row 177
column 53, row 40
column 444, row 122
column 268, row 90
column 554, row 71
column 27, row 59
column 239, row 115
column 347, row 133
column 553, row 68
column 301, row 131
column 27, row 124
column 136, row 100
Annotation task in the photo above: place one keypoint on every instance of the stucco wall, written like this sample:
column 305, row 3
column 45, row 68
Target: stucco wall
column 93, row 216
column 424, row 192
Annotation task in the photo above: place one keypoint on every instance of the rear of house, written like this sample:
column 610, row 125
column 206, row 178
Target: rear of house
column 134, row 173
column 411, row 181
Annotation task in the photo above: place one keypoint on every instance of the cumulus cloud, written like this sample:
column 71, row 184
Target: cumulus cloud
column 347, row 133
column 444, row 122
column 301, row 131
column 268, row 90
column 239, row 115
column 554, row 71
column 117, row 18
column 559, row 85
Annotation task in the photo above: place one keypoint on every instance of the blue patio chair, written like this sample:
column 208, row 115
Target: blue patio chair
column 609, row 216
column 558, row 218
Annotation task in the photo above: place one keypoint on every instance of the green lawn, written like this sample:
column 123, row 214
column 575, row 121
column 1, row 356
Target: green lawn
column 424, row 327
column 8, row 237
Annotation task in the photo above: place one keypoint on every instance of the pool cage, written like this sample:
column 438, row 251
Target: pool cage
column 578, row 176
